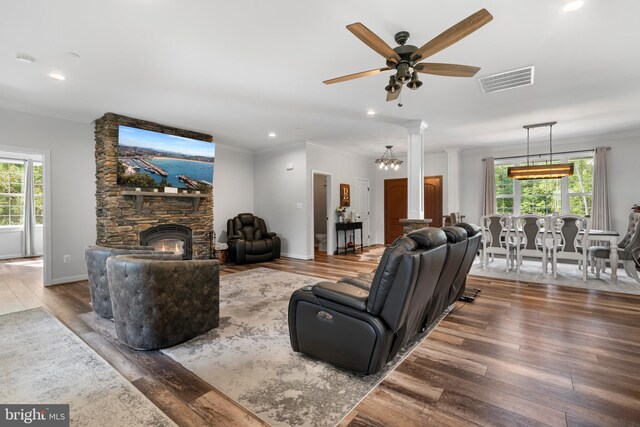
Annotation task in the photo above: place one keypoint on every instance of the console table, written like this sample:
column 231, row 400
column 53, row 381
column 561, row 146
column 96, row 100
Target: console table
column 344, row 227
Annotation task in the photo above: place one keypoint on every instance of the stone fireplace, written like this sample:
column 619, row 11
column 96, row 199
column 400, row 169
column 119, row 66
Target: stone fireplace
column 169, row 237
column 128, row 217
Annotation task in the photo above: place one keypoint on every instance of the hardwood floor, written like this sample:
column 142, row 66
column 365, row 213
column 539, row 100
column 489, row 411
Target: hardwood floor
column 521, row 354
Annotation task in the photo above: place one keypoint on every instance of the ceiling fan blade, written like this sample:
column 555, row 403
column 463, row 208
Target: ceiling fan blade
column 394, row 95
column 453, row 34
column 373, row 41
column 356, row 75
column 452, row 70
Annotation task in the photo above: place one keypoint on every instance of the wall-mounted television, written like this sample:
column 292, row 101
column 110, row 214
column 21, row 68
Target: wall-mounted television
column 154, row 159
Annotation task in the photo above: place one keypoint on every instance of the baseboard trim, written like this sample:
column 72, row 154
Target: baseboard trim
column 297, row 256
column 11, row 256
column 70, row 279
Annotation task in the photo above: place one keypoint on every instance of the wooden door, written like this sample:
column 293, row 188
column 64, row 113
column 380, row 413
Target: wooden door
column 395, row 204
column 433, row 199
column 395, row 207
column 361, row 207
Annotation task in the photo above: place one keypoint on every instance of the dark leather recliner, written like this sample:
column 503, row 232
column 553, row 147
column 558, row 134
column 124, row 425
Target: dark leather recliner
column 249, row 241
column 474, row 238
column 361, row 329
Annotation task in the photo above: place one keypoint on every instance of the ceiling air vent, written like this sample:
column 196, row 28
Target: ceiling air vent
column 507, row 80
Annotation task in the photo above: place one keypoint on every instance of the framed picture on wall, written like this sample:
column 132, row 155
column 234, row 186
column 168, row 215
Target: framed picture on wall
column 345, row 195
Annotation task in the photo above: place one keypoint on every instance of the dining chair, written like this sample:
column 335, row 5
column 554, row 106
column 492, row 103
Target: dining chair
column 496, row 239
column 531, row 235
column 627, row 248
column 570, row 241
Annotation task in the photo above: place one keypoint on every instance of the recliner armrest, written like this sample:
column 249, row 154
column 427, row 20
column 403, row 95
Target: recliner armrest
column 356, row 281
column 271, row 234
column 233, row 237
column 342, row 293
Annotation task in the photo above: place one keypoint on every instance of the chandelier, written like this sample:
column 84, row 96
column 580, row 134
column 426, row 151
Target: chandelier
column 389, row 159
column 547, row 171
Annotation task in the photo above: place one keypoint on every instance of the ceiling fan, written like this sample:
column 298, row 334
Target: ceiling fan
column 405, row 59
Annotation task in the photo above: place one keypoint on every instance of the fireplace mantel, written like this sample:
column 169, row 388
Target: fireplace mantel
column 140, row 195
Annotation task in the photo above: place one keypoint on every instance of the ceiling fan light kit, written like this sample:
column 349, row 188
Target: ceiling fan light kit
column 404, row 59
column 389, row 159
column 548, row 171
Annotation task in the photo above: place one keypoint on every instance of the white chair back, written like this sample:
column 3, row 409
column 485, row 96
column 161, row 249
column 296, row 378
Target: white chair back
column 571, row 233
column 531, row 232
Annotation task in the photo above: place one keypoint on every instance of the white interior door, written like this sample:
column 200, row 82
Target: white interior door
column 362, row 207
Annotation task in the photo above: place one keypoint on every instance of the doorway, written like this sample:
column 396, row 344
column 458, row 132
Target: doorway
column 321, row 205
column 24, row 211
column 361, row 207
column 395, row 204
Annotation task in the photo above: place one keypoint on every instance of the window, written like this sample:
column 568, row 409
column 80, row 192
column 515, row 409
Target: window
column 540, row 196
column 504, row 190
column 11, row 194
column 37, row 193
column 546, row 196
column 581, row 187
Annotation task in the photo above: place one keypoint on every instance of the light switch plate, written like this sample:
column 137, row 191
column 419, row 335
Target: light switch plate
column 299, row 205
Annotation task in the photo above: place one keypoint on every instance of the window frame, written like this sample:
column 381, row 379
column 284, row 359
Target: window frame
column 12, row 227
column 564, row 182
column 17, row 227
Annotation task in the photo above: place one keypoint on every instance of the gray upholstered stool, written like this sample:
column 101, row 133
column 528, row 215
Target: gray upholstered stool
column 96, row 258
column 160, row 303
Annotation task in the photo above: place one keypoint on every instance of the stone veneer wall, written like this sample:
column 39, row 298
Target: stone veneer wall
column 118, row 223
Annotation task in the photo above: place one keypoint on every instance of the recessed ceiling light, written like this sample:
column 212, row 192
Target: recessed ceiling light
column 272, row 134
column 25, row 58
column 573, row 6
column 371, row 113
column 56, row 76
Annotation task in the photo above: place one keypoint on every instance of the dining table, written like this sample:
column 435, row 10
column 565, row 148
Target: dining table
column 596, row 235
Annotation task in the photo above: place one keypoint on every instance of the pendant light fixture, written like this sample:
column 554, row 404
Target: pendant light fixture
column 547, row 171
column 389, row 160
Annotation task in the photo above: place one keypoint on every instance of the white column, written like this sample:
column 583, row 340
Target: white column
column 415, row 169
column 453, row 180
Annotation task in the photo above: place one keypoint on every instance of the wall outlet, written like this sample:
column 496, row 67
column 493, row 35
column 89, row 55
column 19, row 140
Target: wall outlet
column 66, row 259
column 298, row 205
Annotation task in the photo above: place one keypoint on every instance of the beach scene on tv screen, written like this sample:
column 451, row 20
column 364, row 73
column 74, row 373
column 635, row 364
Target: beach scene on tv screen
column 153, row 159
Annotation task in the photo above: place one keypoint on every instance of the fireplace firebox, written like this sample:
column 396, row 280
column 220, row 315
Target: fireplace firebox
column 169, row 237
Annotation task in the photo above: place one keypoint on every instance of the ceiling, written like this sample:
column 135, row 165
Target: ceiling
column 242, row 69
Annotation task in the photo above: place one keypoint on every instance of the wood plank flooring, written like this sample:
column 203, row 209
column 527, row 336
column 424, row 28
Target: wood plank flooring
column 521, row 354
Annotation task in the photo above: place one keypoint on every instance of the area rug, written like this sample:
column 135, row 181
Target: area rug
column 43, row 362
column 249, row 357
column 372, row 255
column 568, row 275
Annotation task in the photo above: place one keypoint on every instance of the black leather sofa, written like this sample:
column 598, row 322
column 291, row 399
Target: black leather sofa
column 249, row 241
column 360, row 324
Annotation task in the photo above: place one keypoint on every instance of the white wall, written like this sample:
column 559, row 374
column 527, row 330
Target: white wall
column 280, row 196
column 11, row 242
column 434, row 164
column 72, row 174
column 344, row 167
column 622, row 165
column 233, row 186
